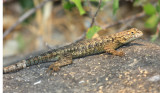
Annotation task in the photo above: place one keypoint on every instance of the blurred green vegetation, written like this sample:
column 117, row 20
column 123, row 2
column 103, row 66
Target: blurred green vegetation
column 26, row 5
column 21, row 42
column 72, row 17
column 91, row 31
column 152, row 10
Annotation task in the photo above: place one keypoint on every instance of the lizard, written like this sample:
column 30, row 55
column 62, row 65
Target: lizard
column 63, row 56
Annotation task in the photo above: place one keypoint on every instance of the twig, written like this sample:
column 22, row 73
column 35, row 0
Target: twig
column 139, row 15
column 94, row 17
column 24, row 16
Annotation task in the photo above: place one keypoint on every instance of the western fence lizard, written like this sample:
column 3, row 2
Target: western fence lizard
column 64, row 55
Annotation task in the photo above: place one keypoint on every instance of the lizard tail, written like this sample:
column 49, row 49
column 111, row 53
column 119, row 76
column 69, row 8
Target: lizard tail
column 29, row 62
column 15, row 67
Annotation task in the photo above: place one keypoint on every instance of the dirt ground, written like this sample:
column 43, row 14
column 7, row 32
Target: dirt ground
column 136, row 72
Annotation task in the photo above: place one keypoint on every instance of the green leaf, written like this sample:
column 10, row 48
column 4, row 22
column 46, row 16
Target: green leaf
column 91, row 31
column 152, row 21
column 68, row 5
column 115, row 6
column 158, row 9
column 149, row 9
column 79, row 6
column 26, row 4
column 154, row 37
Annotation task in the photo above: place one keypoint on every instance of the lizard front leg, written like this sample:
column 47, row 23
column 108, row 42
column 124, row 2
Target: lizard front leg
column 63, row 61
column 111, row 50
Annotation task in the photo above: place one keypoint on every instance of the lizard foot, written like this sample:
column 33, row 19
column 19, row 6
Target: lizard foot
column 113, row 51
column 52, row 68
column 63, row 61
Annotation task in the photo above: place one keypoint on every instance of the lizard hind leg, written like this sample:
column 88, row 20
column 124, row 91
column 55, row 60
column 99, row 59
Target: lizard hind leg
column 63, row 61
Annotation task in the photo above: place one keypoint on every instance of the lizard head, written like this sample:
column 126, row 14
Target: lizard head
column 129, row 35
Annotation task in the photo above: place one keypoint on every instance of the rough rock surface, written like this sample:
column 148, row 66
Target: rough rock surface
column 136, row 72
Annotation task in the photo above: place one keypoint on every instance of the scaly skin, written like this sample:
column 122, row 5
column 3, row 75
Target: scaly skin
column 64, row 55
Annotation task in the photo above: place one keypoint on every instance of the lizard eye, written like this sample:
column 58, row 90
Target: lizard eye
column 132, row 32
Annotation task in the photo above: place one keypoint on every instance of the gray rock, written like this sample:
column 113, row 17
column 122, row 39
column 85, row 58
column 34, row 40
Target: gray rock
column 137, row 71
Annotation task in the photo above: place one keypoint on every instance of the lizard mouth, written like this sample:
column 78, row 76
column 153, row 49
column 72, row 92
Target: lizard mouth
column 139, row 34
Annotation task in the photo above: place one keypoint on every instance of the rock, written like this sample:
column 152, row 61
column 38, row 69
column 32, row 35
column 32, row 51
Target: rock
column 137, row 71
